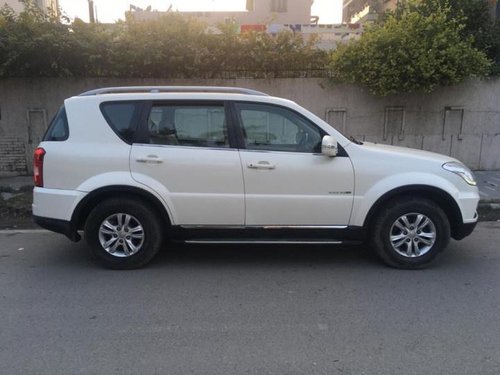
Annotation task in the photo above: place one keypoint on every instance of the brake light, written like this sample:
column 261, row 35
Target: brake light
column 38, row 166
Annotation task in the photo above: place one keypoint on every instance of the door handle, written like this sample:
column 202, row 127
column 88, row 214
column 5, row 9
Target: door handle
column 150, row 159
column 261, row 165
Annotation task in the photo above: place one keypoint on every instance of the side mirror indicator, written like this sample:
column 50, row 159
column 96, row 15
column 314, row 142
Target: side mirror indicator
column 329, row 146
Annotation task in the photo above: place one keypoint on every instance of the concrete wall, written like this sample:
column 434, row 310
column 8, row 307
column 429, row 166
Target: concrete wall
column 461, row 121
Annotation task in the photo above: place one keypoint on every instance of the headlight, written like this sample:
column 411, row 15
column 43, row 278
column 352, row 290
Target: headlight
column 461, row 170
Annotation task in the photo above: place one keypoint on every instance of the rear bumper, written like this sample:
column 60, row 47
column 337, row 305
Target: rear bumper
column 55, row 203
column 58, row 226
column 52, row 210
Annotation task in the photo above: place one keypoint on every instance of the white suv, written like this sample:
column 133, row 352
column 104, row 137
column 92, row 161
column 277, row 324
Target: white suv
column 133, row 166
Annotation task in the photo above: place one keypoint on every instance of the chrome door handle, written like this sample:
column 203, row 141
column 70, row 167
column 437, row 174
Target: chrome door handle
column 150, row 159
column 261, row 165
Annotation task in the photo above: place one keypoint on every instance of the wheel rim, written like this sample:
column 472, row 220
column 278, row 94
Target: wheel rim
column 121, row 235
column 413, row 235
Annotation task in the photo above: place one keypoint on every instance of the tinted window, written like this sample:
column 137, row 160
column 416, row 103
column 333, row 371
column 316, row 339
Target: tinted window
column 122, row 117
column 267, row 127
column 188, row 125
column 58, row 128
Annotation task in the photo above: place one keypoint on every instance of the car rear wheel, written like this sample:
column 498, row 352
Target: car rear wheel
column 409, row 233
column 123, row 233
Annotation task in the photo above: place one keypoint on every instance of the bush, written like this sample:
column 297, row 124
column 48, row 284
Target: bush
column 476, row 18
column 410, row 51
column 34, row 44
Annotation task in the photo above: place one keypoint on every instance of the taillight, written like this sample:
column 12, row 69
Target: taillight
column 38, row 166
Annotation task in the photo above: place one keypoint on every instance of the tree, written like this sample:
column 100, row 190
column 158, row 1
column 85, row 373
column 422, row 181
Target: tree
column 410, row 51
column 476, row 18
column 35, row 43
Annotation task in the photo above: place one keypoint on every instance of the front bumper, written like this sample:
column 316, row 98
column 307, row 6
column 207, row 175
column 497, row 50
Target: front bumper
column 463, row 230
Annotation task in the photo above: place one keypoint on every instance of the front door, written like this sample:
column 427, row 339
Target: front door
column 288, row 182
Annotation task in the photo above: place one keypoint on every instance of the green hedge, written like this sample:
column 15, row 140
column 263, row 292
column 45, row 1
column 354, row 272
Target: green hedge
column 37, row 45
column 423, row 45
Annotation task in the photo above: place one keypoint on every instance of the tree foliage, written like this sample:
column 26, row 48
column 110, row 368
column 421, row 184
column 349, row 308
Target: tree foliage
column 474, row 15
column 412, row 50
column 33, row 44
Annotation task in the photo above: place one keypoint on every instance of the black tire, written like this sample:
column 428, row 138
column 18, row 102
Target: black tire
column 387, row 225
column 140, row 216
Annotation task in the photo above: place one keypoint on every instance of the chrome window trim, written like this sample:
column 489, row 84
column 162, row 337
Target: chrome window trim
column 187, row 147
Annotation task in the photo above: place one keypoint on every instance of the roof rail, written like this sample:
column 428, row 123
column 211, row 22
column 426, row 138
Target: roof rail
column 157, row 89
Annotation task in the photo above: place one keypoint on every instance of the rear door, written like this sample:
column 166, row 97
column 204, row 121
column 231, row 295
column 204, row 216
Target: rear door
column 185, row 152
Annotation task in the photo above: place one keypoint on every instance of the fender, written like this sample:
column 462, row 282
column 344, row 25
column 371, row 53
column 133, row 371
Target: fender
column 441, row 197
column 364, row 201
column 93, row 198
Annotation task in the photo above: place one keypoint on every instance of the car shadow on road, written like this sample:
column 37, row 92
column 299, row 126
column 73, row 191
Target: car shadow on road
column 58, row 252
column 174, row 255
column 249, row 256
column 268, row 255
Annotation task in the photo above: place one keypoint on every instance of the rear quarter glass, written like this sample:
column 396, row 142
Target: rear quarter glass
column 58, row 129
column 122, row 117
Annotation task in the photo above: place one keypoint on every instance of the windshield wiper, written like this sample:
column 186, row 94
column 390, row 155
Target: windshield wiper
column 355, row 140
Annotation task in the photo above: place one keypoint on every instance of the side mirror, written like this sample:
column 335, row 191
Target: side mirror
column 329, row 146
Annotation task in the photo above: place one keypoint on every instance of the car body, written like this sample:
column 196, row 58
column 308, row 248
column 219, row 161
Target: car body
column 231, row 165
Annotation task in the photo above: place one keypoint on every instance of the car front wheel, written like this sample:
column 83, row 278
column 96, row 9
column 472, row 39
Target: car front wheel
column 409, row 233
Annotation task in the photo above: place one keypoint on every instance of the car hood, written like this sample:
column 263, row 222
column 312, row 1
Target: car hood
column 405, row 152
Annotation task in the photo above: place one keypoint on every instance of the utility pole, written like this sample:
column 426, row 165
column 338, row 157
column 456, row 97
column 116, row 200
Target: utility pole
column 91, row 11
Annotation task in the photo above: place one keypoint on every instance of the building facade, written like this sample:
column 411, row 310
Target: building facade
column 494, row 8
column 258, row 12
column 362, row 11
column 51, row 6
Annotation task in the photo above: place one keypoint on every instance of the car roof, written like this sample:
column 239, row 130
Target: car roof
column 131, row 93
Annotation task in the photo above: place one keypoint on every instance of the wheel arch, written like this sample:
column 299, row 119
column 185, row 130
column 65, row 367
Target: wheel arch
column 91, row 200
column 442, row 198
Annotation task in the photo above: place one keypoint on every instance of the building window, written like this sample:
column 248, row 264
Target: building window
column 279, row 6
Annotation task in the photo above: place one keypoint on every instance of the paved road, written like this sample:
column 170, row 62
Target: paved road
column 237, row 310
column 489, row 184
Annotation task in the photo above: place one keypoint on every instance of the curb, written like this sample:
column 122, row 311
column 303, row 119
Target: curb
column 489, row 210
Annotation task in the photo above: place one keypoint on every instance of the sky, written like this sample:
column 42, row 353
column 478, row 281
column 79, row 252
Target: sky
column 329, row 11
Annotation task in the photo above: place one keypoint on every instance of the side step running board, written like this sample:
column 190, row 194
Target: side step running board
column 289, row 242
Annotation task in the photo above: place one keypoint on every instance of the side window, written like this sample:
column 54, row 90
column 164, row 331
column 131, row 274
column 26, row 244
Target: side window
column 122, row 117
column 58, row 128
column 188, row 125
column 273, row 128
